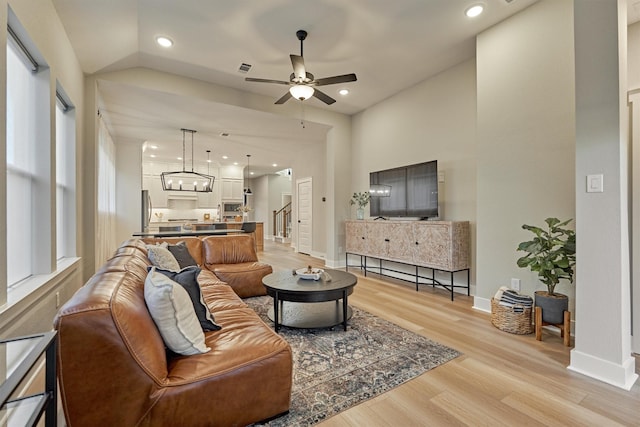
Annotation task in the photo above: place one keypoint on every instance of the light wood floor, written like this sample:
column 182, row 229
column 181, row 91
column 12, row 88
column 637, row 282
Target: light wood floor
column 500, row 380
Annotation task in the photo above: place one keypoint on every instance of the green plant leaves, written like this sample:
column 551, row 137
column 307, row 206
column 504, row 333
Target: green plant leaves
column 551, row 253
column 361, row 198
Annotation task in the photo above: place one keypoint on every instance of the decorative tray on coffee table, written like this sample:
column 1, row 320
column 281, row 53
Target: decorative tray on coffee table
column 310, row 273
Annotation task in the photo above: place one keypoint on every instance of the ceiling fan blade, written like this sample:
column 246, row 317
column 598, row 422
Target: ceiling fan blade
column 336, row 79
column 323, row 97
column 298, row 67
column 280, row 82
column 284, row 98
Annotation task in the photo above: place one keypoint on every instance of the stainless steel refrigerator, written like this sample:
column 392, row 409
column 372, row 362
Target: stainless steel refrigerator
column 146, row 210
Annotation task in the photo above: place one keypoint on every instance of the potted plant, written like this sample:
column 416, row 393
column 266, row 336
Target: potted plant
column 552, row 254
column 362, row 199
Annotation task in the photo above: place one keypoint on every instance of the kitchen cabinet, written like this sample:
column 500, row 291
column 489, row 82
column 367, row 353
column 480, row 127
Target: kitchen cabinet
column 231, row 189
column 207, row 200
column 157, row 194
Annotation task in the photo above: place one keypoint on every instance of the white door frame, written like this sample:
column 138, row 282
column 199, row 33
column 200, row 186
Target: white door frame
column 634, row 105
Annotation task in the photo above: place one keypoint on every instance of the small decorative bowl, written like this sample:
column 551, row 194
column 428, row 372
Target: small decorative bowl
column 304, row 273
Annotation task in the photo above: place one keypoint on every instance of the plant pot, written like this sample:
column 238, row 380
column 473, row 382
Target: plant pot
column 359, row 213
column 553, row 306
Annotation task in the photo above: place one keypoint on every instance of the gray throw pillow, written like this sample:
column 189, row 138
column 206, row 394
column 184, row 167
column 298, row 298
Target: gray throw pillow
column 160, row 256
column 182, row 255
column 188, row 279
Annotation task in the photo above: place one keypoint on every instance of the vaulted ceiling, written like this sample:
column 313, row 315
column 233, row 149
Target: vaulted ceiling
column 389, row 45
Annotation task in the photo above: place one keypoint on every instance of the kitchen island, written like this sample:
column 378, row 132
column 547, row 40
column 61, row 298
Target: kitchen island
column 191, row 230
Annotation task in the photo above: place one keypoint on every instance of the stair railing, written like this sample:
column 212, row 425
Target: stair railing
column 282, row 221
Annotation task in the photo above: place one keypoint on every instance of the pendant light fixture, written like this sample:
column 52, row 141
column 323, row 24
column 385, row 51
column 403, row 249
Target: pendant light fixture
column 187, row 180
column 247, row 189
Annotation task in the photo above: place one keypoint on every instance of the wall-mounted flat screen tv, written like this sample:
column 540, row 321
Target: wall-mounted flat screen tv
column 413, row 191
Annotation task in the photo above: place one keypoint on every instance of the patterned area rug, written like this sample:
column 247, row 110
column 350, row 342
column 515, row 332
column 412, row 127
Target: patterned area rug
column 334, row 370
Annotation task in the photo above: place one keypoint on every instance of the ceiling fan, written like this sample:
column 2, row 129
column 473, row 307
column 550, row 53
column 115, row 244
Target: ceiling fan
column 303, row 84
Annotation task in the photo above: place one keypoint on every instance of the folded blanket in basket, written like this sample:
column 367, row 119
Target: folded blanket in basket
column 510, row 298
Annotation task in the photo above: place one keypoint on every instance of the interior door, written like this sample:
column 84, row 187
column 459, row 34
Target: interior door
column 304, row 191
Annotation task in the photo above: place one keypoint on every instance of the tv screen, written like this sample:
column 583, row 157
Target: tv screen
column 413, row 191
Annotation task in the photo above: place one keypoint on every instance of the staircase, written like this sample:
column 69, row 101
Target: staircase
column 282, row 224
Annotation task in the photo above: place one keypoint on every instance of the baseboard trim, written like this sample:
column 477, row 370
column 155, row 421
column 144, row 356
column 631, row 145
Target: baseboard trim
column 482, row 304
column 620, row 375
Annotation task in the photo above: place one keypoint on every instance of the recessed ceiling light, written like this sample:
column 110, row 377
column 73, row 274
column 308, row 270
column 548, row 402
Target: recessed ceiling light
column 275, row 165
column 153, row 156
column 225, row 157
column 154, row 147
column 250, row 173
column 164, row 41
column 474, row 10
column 344, row 92
column 235, row 163
column 208, row 160
column 179, row 158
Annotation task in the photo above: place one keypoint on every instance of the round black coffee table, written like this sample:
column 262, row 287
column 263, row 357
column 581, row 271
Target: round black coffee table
column 292, row 295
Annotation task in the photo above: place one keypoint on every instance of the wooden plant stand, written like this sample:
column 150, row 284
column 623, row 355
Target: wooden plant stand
column 565, row 326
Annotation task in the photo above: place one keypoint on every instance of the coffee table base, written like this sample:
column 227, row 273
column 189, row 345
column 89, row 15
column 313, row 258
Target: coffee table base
column 310, row 315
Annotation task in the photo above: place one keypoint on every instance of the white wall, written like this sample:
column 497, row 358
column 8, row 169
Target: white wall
column 526, row 139
column 434, row 120
column 128, row 189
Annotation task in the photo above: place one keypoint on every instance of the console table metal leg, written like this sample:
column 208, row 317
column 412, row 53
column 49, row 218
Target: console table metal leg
column 468, row 283
column 416, row 278
column 452, row 286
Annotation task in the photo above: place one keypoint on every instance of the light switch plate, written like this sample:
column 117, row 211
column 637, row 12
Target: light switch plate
column 595, row 183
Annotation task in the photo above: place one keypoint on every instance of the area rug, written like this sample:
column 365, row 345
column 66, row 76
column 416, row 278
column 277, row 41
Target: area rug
column 334, row 370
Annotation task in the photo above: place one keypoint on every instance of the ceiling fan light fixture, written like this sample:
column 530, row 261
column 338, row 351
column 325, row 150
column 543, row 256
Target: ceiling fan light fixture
column 301, row 92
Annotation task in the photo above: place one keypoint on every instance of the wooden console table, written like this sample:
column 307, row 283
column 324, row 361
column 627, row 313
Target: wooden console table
column 433, row 245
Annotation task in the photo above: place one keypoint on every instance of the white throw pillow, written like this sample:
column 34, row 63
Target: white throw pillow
column 173, row 313
column 160, row 256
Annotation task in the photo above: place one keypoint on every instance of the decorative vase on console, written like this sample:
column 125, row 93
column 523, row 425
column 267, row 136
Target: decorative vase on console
column 244, row 209
column 362, row 200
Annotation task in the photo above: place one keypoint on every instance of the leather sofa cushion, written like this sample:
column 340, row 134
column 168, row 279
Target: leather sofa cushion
column 228, row 250
column 245, row 278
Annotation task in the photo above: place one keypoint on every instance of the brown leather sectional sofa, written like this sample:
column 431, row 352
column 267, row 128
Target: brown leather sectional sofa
column 114, row 369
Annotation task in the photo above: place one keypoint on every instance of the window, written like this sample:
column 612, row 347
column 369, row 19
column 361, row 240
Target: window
column 28, row 165
column 21, row 93
column 65, row 178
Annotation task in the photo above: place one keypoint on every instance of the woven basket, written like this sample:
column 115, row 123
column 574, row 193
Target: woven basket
column 505, row 319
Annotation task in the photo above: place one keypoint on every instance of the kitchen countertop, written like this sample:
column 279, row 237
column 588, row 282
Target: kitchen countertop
column 184, row 233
